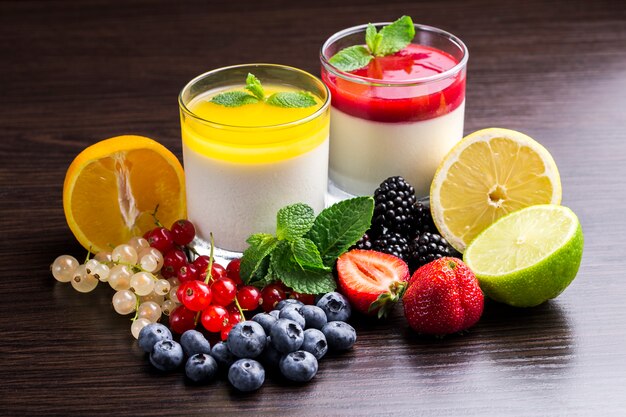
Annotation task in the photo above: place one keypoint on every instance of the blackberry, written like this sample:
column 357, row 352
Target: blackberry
column 392, row 243
column 428, row 247
column 423, row 219
column 394, row 207
column 364, row 243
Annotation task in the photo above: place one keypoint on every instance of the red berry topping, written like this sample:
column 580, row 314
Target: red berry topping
column 183, row 232
column 188, row 272
column 249, row 298
column 443, row 297
column 271, row 295
column 202, row 262
column 305, row 298
column 172, row 262
column 161, row 238
column 224, row 291
column 232, row 271
column 196, row 295
column 214, row 318
column 234, row 315
column 371, row 280
column 182, row 319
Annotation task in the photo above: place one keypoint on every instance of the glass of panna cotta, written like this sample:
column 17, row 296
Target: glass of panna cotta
column 243, row 163
column 399, row 115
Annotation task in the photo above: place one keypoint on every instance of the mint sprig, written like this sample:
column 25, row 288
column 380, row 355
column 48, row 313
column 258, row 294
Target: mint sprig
column 391, row 39
column 305, row 247
column 256, row 93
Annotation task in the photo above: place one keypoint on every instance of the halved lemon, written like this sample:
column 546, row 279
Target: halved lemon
column 112, row 187
column 488, row 174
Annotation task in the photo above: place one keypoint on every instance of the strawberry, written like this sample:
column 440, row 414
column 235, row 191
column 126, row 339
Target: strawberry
column 443, row 297
column 372, row 281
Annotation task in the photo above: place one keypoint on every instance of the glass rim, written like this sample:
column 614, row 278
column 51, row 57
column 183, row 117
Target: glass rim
column 314, row 115
column 393, row 83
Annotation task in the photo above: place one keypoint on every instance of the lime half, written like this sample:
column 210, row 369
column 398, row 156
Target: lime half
column 528, row 256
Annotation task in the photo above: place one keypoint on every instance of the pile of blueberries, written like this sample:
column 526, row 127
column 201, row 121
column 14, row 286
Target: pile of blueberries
column 291, row 338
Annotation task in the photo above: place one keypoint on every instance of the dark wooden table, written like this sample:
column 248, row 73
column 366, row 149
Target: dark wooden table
column 73, row 73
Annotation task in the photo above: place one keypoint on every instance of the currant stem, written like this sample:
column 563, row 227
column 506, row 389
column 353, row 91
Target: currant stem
column 135, row 267
column 153, row 214
column 88, row 254
column 209, row 275
column 239, row 308
column 136, row 309
column 195, row 322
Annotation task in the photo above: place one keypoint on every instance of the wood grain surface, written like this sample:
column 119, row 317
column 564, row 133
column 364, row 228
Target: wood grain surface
column 75, row 72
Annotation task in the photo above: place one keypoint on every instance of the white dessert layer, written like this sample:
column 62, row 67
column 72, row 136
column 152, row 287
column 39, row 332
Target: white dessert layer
column 363, row 153
column 234, row 200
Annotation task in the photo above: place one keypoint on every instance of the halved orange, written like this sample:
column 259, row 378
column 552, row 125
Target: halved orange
column 112, row 187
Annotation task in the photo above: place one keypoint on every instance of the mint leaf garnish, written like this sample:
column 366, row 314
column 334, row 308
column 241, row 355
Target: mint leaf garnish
column 305, row 247
column 340, row 226
column 294, row 221
column 254, row 86
column 261, row 245
column 395, row 37
column 292, row 99
column 391, row 39
column 351, row 58
column 234, row 99
column 286, row 99
column 302, row 280
column 307, row 255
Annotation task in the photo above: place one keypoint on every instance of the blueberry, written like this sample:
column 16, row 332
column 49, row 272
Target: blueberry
column 315, row 343
column 222, row 355
column 166, row 355
column 339, row 335
column 314, row 316
column 336, row 306
column 299, row 366
column 266, row 320
column 194, row 342
column 270, row 356
column 274, row 313
column 151, row 334
column 293, row 312
column 287, row 336
column 201, row 367
column 247, row 339
column 287, row 302
column 246, row 375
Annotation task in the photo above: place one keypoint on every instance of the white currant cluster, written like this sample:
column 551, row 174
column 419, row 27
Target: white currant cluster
column 133, row 271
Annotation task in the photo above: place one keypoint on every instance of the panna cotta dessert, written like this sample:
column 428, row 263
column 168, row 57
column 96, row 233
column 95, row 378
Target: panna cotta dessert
column 255, row 139
column 399, row 114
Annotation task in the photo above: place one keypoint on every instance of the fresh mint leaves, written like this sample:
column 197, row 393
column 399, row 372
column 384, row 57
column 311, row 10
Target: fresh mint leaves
column 256, row 93
column 391, row 39
column 305, row 247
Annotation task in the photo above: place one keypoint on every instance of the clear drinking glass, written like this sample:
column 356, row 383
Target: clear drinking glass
column 391, row 125
column 238, row 175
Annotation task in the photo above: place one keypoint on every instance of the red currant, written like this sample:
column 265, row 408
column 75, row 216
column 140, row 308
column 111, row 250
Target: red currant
column 196, row 295
column 232, row 271
column 161, row 238
column 183, row 232
column 225, row 331
column 234, row 315
column 182, row 319
column 249, row 298
column 224, row 291
column 172, row 262
column 272, row 294
column 214, row 318
column 305, row 298
column 202, row 263
column 187, row 273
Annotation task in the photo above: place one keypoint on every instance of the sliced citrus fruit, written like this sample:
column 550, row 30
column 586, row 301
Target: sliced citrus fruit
column 112, row 187
column 487, row 175
column 528, row 256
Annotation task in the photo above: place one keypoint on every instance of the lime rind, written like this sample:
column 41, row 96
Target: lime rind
column 540, row 279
